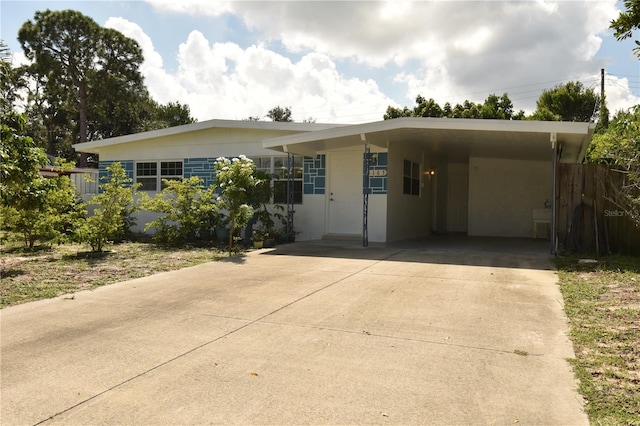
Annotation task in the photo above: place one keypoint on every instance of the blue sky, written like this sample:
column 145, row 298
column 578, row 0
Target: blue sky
column 339, row 61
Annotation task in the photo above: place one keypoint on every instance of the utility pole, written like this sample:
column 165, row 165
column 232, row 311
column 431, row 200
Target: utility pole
column 604, row 112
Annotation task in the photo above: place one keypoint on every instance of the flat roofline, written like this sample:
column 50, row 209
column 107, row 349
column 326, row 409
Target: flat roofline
column 204, row 125
column 422, row 123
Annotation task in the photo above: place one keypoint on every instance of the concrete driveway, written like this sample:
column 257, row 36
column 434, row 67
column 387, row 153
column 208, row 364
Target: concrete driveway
column 307, row 333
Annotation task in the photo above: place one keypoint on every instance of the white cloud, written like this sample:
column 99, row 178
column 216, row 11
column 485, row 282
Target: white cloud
column 193, row 7
column 162, row 86
column 448, row 50
column 618, row 95
column 19, row 58
column 223, row 80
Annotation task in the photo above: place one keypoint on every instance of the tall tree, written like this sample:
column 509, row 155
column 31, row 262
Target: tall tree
column 627, row 22
column 279, row 113
column 566, row 102
column 173, row 114
column 78, row 55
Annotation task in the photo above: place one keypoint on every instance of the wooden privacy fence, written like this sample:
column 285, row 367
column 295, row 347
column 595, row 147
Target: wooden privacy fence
column 587, row 218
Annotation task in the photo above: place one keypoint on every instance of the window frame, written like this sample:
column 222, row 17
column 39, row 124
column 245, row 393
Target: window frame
column 278, row 171
column 160, row 166
column 411, row 173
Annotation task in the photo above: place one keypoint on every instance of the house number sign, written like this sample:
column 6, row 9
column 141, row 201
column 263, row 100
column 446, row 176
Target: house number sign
column 377, row 173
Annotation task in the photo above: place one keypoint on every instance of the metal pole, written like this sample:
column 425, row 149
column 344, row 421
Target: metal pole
column 552, row 237
column 290, row 198
column 365, row 192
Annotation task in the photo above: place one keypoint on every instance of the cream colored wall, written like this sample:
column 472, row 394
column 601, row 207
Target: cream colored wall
column 377, row 218
column 205, row 143
column 503, row 194
column 408, row 216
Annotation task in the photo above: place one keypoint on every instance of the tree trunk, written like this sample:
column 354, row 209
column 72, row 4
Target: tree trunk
column 82, row 119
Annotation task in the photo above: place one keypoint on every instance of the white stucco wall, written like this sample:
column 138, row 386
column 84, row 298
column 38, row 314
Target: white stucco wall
column 503, row 194
column 309, row 218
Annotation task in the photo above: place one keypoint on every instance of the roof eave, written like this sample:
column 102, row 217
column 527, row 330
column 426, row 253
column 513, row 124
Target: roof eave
column 279, row 143
column 94, row 146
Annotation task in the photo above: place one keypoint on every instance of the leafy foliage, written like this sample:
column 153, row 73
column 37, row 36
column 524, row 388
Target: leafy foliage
column 279, row 113
column 37, row 208
column 47, row 211
column 619, row 146
column 236, row 180
column 11, row 81
column 86, row 84
column 114, row 206
column 20, row 158
column 189, row 211
column 627, row 22
column 566, row 102
column 494, row 107
column 78, row 56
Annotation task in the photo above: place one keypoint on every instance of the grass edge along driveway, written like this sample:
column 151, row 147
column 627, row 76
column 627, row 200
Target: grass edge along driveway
column 69, row 268
column 602, row 302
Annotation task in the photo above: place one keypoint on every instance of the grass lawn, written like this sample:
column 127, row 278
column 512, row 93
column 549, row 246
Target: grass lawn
column 602, row 301
column 64, row 269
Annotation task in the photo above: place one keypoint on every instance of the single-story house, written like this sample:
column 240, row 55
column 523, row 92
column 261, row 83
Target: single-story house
column 385, row 180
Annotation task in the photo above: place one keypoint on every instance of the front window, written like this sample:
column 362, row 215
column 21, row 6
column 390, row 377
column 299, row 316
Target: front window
column 277, row 168
column 411, row 178
column 150, row 174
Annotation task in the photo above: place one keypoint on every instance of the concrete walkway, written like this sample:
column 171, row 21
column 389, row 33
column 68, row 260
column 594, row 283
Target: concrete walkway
column 303, row 334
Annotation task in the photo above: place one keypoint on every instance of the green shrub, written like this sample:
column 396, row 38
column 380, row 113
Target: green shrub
column 188, row 211
column 47, row 211
column 237, row 180
column 113, row 215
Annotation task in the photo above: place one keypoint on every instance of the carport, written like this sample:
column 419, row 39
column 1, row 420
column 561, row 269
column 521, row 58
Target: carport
column 412, row 177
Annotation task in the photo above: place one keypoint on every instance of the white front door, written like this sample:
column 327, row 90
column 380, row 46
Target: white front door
column 345, row 193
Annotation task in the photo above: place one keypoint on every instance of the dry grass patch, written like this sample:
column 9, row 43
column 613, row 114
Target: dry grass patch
column 64, row 269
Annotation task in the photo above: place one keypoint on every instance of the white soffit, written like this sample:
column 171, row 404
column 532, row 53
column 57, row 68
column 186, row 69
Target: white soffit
column 460, row 137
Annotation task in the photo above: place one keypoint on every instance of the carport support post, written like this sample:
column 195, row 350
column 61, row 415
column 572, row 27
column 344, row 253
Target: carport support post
column 365, row 191
column 290, row 198
column 552, row 238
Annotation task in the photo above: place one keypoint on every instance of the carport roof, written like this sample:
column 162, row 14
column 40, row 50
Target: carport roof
column 455, row 138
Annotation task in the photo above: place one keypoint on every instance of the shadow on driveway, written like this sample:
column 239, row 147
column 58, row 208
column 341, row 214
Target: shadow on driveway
column 438, row 249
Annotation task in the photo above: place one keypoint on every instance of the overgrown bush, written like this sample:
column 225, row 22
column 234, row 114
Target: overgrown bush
column 113, row 213
column 236, row 180
column 46, row 211
column 38, row 209
column 188, row 211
